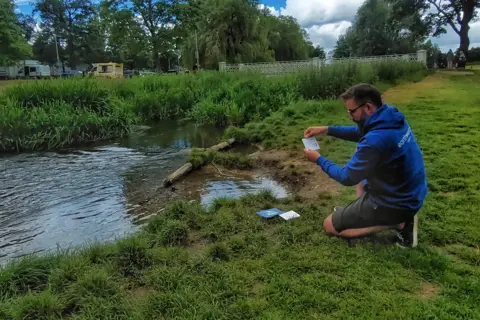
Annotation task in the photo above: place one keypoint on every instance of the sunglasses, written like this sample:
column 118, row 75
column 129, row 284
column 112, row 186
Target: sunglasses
column 352, row 111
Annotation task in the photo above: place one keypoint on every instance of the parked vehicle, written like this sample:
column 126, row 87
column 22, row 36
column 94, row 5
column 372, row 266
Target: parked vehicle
column 109, row 70
column 33, row 69
column 9, row 73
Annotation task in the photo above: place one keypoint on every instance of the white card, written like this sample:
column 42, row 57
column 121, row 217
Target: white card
column 289, row 215
column 311, row 143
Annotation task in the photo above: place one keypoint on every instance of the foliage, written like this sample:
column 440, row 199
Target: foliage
column 13, row 46
column 74, row 23
column 381, row 28
column 60, row 113
column 457, row 14
column 237, row 31
column 126, row 37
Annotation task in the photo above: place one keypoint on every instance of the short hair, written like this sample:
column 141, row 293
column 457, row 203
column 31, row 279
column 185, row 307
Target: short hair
column 363, row 93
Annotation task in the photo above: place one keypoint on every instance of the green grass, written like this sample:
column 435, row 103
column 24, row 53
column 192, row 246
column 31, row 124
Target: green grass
column 230, row 160
column 224, row 262
column 52, row 114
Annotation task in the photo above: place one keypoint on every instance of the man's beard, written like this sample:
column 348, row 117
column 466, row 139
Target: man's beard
column 361, row 123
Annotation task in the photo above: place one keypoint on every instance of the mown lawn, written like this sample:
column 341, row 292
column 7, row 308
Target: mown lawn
column 227, row 263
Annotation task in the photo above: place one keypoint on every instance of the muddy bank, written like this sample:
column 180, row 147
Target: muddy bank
column 281, row 172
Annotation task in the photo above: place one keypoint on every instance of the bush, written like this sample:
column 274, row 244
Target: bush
column 33, row 306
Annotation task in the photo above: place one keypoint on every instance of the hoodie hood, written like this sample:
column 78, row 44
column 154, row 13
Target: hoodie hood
column 386, row 117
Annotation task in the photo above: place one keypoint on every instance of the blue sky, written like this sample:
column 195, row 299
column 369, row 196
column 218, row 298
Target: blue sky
column 325, row 20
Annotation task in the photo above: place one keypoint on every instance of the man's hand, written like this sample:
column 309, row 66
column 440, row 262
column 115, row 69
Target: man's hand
column 312, row 155
column 315, row 131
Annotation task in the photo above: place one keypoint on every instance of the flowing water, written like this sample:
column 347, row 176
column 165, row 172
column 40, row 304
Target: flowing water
column 63, row 199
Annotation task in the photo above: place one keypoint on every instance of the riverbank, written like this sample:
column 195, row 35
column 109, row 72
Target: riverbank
column 226, row 262
column 50, row 114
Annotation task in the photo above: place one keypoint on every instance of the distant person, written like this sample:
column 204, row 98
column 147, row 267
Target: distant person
column 387, row 165
column 450, row 59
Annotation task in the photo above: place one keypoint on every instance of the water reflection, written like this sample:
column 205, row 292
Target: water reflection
column 235, row 189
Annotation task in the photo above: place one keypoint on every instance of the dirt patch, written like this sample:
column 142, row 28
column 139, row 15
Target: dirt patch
column 293, row 172
column 300, row 175
column 428, row 290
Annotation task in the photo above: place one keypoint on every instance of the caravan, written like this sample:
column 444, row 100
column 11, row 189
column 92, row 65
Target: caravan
column 9, row 73
column 33, row 69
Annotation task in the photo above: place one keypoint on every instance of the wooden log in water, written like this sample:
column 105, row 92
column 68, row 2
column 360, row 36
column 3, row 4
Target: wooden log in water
column 187, row 167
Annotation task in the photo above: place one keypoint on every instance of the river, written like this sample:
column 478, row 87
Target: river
column 62, row 199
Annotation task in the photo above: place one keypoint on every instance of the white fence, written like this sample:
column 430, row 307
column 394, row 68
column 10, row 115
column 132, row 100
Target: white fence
column 279, row 67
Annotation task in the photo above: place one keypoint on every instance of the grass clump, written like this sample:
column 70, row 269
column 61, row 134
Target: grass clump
column 167, row 232
column 133, row 256
column 68, row 271
column 36, row 306
column 228, row 160
column 28, row 274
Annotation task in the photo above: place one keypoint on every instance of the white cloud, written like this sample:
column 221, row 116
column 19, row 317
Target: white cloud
column 23, row 1
column 17, row 10
column 319, row 12
column 326, row 35
column 272, row 10
column 325, row 20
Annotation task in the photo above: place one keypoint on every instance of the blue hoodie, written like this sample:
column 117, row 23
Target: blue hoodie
column 387, row 157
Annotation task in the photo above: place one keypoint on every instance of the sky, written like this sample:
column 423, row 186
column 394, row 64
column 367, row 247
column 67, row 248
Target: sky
column 326, row 20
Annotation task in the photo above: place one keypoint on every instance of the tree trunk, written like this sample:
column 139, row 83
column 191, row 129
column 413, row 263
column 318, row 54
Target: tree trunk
column 468, row 8
column 464, row 39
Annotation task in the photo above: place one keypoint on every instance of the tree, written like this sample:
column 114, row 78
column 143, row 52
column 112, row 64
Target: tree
column 287, row 39
column 456, row 13
column 13, row 45
column 236, row 31
column 161, row 20
column 70, row 20
column 231, row 31
column 316, row 51
column 433, row 53
column 384, row 27
column 474, row 54
column 342, row 48
column 27, row 23
column 44, row 49
column 125, row 37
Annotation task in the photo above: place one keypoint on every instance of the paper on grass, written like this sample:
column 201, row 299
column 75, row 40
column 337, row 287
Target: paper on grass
column 290, row 215
column 311, row 143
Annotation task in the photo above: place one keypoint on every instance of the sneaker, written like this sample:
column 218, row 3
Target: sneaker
column 408, row 236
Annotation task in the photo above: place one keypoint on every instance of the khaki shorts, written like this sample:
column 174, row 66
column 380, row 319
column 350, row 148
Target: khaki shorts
column 364, row 213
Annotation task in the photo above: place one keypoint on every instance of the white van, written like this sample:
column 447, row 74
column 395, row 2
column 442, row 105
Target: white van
column 33, row 69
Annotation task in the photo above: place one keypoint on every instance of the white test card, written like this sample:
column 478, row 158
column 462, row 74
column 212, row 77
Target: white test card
column 311, row 143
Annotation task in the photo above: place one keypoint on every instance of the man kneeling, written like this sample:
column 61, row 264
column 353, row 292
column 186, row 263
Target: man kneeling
column 387, row 167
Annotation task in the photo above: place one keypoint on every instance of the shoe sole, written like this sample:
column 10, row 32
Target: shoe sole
column 415, row 235
column 415, row 231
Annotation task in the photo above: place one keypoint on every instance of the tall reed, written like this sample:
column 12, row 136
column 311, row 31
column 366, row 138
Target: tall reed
column 59, row 113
